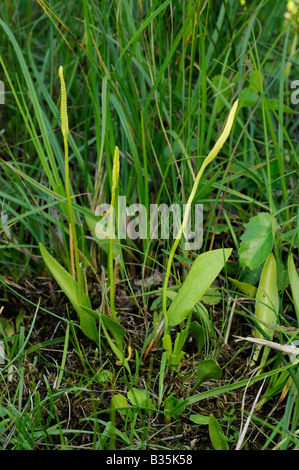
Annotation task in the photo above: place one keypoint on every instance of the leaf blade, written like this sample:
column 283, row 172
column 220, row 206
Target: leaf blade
column 70, row 287
column 257, row 240
column 203, row 272
column 218, row 439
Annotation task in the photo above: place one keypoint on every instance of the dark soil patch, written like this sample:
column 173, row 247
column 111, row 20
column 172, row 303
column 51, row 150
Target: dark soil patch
column 86, row 390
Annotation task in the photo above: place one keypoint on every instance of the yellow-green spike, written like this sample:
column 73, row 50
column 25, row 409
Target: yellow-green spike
column 63, row 105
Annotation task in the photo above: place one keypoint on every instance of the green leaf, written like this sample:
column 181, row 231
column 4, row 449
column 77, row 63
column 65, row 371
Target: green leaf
column 267, row 301
column 118, row 332
column 120, row 403
column 70, row 287
column 178, row 354
column 140, row 398
column 7, row 327
column 207, row 369
column 200, row 419
column 170, row 403
column 203, row 272
column 294, row 282
column 199, row 335
column 257, row 240
column 212, row 296
column 248, row 98
column 267, row 305
column 256, row 80
column 19, row 319
column 167, row 345
column 218, row 439
column 244, row 287
column 201, row 313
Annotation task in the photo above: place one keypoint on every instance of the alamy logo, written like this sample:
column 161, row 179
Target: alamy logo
column 2, row 92
column 163, row 221
column 295, row 94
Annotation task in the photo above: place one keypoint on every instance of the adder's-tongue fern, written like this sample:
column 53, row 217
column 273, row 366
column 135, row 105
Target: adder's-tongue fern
column 65, row 131
column 213, row 153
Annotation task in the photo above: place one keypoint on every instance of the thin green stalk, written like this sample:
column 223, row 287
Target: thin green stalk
column 21, row 381
column 213, row 153
column 65, row 348
column 115, row 175
column 65, row 131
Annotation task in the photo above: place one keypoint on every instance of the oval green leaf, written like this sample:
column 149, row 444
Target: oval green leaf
column 218, row 439
column 257, row 240
column 207, row 369
column 267, row 300
column 140, row 398
column 203, row 272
